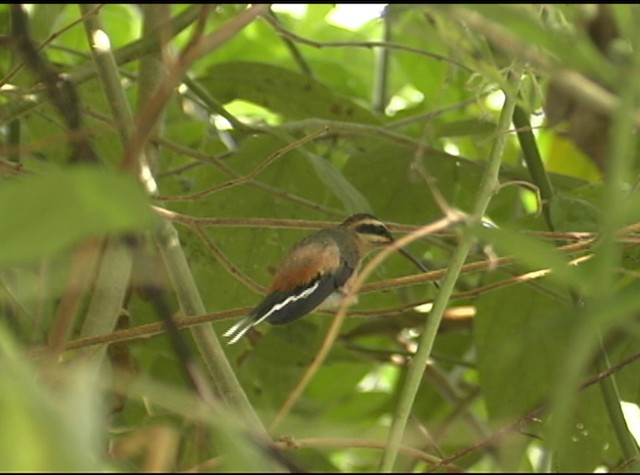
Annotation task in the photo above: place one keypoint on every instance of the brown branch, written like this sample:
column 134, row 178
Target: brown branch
column 197, row 47
column 251, row 175
column 154, row 329
column 206, row 159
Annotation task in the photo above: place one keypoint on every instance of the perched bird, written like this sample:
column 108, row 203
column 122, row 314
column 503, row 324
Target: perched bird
column 318, row 272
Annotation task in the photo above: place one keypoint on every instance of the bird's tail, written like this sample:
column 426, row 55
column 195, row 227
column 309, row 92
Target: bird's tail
column 239, row 329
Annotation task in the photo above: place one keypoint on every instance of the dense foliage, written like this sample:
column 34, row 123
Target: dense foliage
column 158, row 161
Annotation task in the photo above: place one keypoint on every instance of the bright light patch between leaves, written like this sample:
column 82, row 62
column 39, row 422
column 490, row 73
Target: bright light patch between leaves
column 632, row 416
column 537, row 120
column 252, row 113
column 538, row 457
column 406, row 97
column 424, row 308
column 353, row 16
column 297, row 10
column 350, row 16
column 495, row 100
column 529, row 200
column 380, row 379
column 101, row 41
column 451, row 149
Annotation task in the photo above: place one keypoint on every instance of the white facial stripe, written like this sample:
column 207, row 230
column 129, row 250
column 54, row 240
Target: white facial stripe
column 376, row 238
column 371, row 222
column 292, row 298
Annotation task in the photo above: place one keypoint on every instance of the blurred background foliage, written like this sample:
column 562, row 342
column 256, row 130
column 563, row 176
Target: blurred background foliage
column 300, row 117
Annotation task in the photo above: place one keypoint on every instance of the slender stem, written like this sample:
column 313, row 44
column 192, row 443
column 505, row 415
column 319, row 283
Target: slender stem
column 107, row 70
column 83, row 267
column 611, row 395
column 381, row 85
column 487, row 188
column 292, row 47
column 363, row 44
column 109, row 293
column 184, row 285
column 533, row 160
column 117, row 259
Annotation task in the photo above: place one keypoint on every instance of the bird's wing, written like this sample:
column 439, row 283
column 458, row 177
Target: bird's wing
column 284, row 307
column 307, row 276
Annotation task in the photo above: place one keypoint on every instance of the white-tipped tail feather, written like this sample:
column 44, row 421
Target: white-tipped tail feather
column 239, row 329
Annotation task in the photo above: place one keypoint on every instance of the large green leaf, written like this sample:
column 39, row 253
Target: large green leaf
column 519, row 346
column 588, row 440
column 44, row 214
column 282, row 91
column 521, row 337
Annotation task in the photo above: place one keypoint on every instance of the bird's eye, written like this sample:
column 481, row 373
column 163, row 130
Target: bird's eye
column 374, row 231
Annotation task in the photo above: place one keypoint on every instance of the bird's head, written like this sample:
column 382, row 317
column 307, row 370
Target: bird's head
column 373, row 233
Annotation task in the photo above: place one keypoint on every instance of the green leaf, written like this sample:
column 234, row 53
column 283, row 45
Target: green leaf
column 44, row 214
column 465, row 127
column 283, row 91
column 352, row 200
column 590, row 432
column 519, row 345
column 44, row 18
column 417, row 30
column 573, row 214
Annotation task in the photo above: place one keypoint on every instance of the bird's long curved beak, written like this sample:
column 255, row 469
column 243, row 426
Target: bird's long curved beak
column 413, row 259
column 417, row 262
